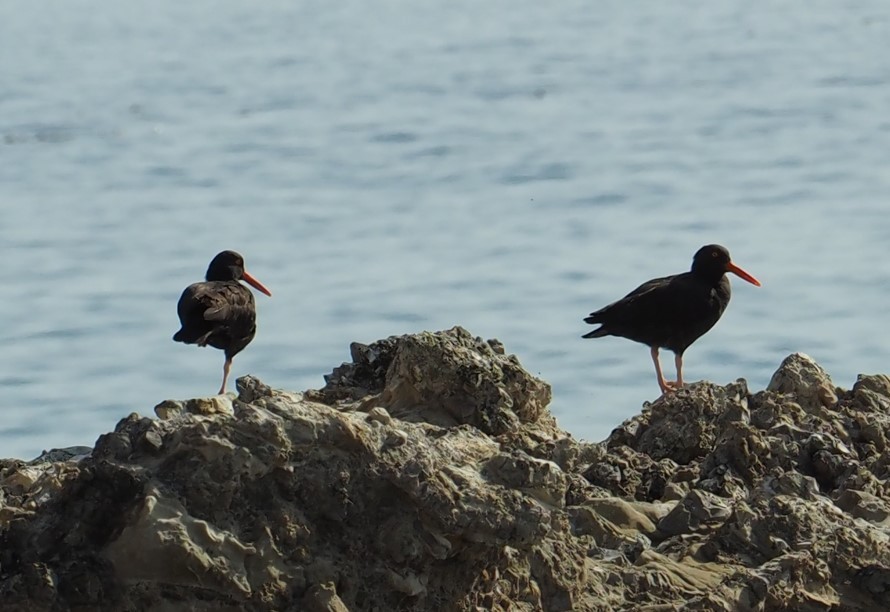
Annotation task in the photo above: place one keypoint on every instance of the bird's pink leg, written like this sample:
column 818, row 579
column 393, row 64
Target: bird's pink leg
column 678, row 362
column 226, row 367
column 671, row 384
column 662, row 383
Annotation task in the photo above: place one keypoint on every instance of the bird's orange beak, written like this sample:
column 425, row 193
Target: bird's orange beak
column 731, row 267
column 260, row 287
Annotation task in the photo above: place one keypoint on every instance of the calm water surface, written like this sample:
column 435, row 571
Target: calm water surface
column 397, row 166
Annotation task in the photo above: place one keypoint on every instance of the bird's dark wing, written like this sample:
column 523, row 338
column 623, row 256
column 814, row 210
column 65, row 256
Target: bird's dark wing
column 219, row 306
column 190, row 309
column 220, row 301
column 640, row 299
column 669, row 312
column 219, row 313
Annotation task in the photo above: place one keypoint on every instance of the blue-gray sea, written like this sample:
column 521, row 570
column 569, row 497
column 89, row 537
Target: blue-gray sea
column 394, row 166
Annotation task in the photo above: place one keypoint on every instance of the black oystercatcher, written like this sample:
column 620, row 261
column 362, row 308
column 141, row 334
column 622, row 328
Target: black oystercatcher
column 672, row 312
column 220, row 312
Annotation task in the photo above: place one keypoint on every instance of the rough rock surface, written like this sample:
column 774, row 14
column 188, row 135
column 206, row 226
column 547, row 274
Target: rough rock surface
column 428, row 474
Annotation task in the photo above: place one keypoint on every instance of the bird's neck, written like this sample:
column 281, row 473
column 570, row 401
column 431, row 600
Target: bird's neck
column 219, row 278
column 712, row 279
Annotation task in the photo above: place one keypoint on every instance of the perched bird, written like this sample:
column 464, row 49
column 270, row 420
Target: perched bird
column 674, row 311
column 221, row 311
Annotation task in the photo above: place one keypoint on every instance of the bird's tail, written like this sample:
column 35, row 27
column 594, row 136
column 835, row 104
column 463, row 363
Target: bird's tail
column 190, row 338
column 594, row 318
column 597, row 333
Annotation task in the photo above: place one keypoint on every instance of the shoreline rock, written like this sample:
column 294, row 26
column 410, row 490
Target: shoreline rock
column 428, row 474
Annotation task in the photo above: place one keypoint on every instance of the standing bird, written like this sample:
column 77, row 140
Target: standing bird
column 221, row 311
column 674, row 311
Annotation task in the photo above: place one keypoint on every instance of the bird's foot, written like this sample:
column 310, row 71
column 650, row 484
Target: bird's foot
column 669, row 386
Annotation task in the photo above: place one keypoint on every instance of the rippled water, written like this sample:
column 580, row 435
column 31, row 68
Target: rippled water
column 396, row 166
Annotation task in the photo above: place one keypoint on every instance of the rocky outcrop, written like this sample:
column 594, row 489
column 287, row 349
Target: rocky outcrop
column 428, row 474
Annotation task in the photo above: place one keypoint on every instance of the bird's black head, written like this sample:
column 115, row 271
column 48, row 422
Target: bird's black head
column 711, row 262
column 229, row 266
column 226, row 266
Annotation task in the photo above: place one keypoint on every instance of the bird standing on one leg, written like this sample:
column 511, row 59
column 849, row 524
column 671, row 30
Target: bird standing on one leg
column 674, row 311
column 221, row 311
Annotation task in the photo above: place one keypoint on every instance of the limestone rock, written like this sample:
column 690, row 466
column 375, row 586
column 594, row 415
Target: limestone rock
column 446, row 379
column 323, row 598
column 696, row 511
column 428, row 474
column 805, row 380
